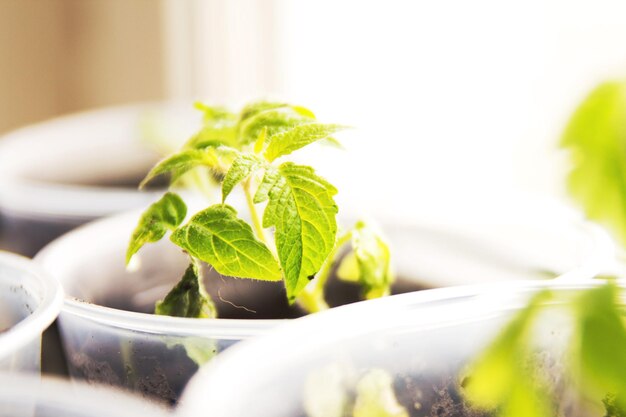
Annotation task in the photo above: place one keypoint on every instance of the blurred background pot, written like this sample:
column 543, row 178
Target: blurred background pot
column 58, row 174
column 27, row 396
column 67, row 171
column 110, row 335
column 30, row 300
column 422, row 341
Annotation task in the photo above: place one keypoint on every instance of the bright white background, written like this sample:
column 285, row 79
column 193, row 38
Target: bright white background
column 453, row 97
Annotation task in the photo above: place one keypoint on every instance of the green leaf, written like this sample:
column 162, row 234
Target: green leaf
column 302, row 209
column 216, row 236
column 187, row 299
column 370, row 263
column 274, row 121
column 596, row 137
column 219, row 128
column 166, row 214
column 254, row 108
column 260, row 142
column 211, row 136
column 244, row 165
column 375, row 396
column 601, row 336
column 349, row 269
column 215, row 158
column 214, row 115
column 502, row 376
column 286, row 142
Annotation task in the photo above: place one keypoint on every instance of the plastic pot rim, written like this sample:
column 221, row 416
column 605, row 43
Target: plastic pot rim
column 601, row 254
column 73, row 397
column 46, row 312
column 382, row 314
column 23, row 197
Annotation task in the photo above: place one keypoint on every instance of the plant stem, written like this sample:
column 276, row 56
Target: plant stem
column 312, row 297
column 256, row 221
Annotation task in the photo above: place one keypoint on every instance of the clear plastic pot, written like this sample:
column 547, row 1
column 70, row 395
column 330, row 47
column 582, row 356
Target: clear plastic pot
column 30, row 300
column 423, row 342
column 28, row 396
column 59, row 174
column 109, row 335
column 67, row 171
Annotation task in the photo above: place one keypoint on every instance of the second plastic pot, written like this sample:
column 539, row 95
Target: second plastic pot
column 110, row 336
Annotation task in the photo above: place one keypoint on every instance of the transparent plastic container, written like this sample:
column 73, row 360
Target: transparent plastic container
column 30, row 300
column 64, row 172
column 110, row 336
column 28, row 396
column 422, row 341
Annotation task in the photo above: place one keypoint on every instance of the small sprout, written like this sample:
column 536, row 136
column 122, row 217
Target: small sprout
column 326, row 392
column 188, row 298
column 375, row 396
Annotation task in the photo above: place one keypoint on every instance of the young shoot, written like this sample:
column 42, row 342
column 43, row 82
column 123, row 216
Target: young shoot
column 292, row 235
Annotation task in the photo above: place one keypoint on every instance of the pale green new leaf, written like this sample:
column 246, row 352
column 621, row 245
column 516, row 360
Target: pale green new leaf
column 244, row 165
column 254, row 108
column 375, row 396
column 216, row 236
column 286, row 142
column 163, row 215
column 274, row 121
column 326, row 392
column 257, row 107
column 188, row 298
column 260, row 142
column 213, row 136
column 219, row 128
column 596, row 136
column 369, row 263
column 215, row 115
column 302, row 209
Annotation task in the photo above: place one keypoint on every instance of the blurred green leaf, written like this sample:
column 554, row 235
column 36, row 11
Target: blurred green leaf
column 596, row 137
column 600, row 354
column 502, row 377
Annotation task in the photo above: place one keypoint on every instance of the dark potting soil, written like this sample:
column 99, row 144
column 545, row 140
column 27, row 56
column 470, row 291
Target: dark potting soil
column 155, row 369
column 423, row 397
